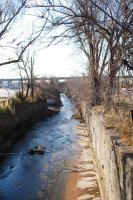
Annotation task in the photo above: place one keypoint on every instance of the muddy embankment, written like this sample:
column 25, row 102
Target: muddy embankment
column 13, row 125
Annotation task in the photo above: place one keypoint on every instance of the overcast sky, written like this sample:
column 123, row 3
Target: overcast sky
column 56, row 60
column 59, row 60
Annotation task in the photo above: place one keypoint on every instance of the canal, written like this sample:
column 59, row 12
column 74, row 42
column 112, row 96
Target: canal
column 28, row 177
column 64, row 172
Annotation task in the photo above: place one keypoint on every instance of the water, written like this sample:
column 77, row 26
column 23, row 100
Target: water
column 36, row 177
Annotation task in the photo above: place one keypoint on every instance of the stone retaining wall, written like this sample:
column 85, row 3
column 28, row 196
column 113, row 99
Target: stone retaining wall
column 114, row 160
column 22, row 113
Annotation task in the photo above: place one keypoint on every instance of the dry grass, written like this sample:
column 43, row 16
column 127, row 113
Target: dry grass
column 120, row 120
column 99, row 109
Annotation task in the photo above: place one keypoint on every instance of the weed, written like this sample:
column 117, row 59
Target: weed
column 4, row 110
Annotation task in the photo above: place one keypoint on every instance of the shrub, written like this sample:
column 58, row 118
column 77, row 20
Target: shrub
column 4, row 110
column 16, row 100
column 20, row 96
column 29, row 99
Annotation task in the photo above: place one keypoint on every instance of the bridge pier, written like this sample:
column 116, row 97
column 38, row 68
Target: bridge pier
column 9, row 84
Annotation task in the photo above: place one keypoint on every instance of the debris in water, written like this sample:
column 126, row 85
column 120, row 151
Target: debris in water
column 39, row 149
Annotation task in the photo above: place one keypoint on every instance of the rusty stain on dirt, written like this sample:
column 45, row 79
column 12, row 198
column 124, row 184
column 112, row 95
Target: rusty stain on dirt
column 82, row 184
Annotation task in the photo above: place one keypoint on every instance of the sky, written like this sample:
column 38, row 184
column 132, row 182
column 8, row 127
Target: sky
column 59, row 60
column 56, row 60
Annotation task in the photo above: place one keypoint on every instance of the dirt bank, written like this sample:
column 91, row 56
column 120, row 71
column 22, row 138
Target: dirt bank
column 19, row 131
column 81, row 181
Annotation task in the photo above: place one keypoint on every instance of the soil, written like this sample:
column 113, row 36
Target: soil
column 82, row 181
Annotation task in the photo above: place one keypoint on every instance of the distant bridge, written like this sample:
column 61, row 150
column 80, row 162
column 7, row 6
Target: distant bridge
column 10, row 81
column 25, row 79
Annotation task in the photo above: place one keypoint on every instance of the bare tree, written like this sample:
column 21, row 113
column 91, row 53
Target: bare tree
column 103, row 30
column 10, row 11
column 13, row 35
column 26, row 72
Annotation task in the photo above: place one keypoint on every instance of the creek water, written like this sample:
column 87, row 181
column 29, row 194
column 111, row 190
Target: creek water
column 41, row 177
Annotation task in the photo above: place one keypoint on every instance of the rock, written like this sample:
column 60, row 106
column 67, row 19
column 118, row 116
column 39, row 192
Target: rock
column 31, row 151
column 77, row 114
column 38, row 149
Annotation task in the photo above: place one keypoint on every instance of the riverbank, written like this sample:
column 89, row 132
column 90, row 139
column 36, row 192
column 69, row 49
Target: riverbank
column 112, row 153
column 15, row 126
column 81, row 182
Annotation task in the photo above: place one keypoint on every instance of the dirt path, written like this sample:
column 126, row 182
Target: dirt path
column 82, row 182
